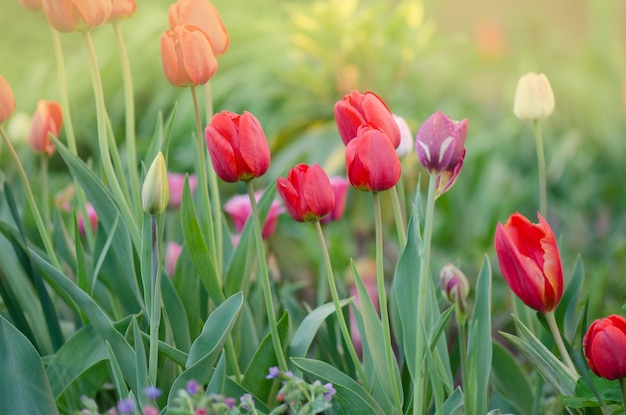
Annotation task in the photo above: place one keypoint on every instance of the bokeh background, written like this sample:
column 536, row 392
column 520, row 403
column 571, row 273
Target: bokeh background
column 290, row 60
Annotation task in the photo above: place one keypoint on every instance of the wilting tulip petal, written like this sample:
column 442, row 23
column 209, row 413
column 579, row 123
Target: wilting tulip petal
column 530, row 262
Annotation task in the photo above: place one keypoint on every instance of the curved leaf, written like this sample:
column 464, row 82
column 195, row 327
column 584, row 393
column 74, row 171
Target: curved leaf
column 307, row 330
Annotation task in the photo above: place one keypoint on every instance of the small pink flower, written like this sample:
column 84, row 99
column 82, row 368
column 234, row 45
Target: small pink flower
column 239, row 209
column 92, row 215
column 340, row 187
column 177, row 184
column 172, row 252
column 150, row 410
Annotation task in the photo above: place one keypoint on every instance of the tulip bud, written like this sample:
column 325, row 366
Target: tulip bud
column 76, row 15
column 534, row 99
column 357, row 110
column 7, row 102
column 307, row 193
column 604, row 345
column 123, row 9
column 187, row 56
column 372, row 162
column 240, row 209
column 203, row 14
column 455, row 288
column 155, row 193
column 237, row 146
column 46, row 121
column 176, row 183
column 530, row 262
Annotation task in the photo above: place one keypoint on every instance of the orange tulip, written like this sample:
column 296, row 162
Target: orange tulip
column 76, row 15
column 123, row 9
column 203, row 14
column 33, row 5
column 46, row 120
column 7, row 102
column 187, row 56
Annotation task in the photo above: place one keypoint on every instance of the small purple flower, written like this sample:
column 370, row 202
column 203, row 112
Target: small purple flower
column 273, row 373
column 152, row 392
column 244, row 401
column 330, row 391
column 230, row 402
column 126, row 406
column 192, row 387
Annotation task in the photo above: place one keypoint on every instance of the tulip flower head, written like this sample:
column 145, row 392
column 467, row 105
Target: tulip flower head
column 7, row 101
column 237, row 146
column 123, row 9
column 455, row 288
column 372, row 162
column 187, row 56
column 340, row 187
column 155, row 193
column 534, row 99
column 176, row 182
column 76, row 15
column 203, row 14
column 357, row 109
column 604, row 345
column 307, row 193
column 46, row 121
column 530, row 262
column 239, row 209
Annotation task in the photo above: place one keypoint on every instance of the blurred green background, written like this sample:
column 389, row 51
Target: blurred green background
column 289, row 61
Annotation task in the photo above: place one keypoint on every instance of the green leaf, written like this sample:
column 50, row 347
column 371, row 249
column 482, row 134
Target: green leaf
column 509, row 379
column 198, row 249
column 175, row 314
column 566, row 311
column 479, row 344
column 206, row 348
column 307, row 330
column 24, row 387
column 454, row 404
column 548, row 366
column 609, row 390
column 350, row 398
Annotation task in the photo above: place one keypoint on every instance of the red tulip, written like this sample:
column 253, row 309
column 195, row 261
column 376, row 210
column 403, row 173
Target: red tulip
column 237, row 146
column 187, row 56
column 76, row 15
column 307, row 193
column 357, row 110
column 7, row 101
column 239, row 209
column 46, row 120
column 204, row 15
column 530, row 262
column 123, row 9
column 372, row 162
column 604, row 345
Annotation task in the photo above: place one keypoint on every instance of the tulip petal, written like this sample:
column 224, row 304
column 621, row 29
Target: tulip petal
column 222, row 155
column 253, row 145
column 373, row 164
column 377, row 113
column 198, row 58
column 169, row 58
column 609, row 360
column 289, row 194
column 317, row 191
column 348, row 120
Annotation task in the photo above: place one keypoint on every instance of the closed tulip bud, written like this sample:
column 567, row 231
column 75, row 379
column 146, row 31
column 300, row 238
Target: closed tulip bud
column 46, row 121
column 203, row 14
column 534, row 99
column 604, row 345
column 372, row 162
column 7, row 101
column 187, row 56
column 34, row 5
column 357, row 110
column 530, row 262
column 455, row 288
column 240, row 209
column 237, row 146
column 176, row 182
column 76, row 15
column 307, row 193
column 123, row 9
column 155, row 193
column 340, row 187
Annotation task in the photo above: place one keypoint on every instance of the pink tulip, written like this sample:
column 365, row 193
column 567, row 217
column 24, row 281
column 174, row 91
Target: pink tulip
column 177, row 183
column 172, row 252
column 239, row 209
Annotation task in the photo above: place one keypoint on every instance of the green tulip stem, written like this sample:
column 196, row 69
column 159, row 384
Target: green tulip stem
column 155, row 294
column 461, row 322
column 541, row 159
column 265, row 280
column 419, row 383
column 335, row 296
column 622, row 384
column 556, row 334
column 208, row 98
column 41, row 226
column 45, row 192
column 382, row 297
column 103, row 144
column 398, row 215
column 129, row 103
